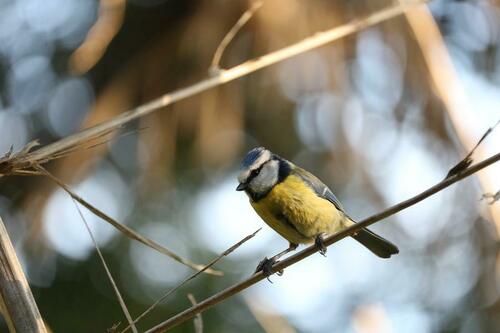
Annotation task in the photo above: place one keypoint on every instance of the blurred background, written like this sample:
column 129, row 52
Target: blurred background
column 379, row 116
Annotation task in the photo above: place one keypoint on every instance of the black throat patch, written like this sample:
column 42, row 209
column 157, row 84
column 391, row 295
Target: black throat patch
column 284, row 169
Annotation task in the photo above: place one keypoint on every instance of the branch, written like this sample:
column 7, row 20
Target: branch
column 19, row 307
column 493, row 197
column 189, row 278
column 250, row 66
column 247, row 15
column 467, row 160
column 198, row 321
column 106, row 268
column 124, row 229
column 235, row 289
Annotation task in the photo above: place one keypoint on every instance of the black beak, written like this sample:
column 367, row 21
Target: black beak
column 242, row 186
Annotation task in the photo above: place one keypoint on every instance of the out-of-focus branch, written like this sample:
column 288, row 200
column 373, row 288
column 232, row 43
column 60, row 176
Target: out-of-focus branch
column 235, row 289
column 109, row 22
column 450, row 89
column 19, row 307
column 267, row 316
column 247, row 15
column 319, row 39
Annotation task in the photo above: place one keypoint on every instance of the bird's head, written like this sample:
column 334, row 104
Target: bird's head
column 259, row 172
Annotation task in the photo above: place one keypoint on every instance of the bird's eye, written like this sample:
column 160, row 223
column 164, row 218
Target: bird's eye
column 255, row 172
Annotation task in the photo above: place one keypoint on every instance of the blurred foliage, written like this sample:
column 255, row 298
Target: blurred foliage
column 360, row 113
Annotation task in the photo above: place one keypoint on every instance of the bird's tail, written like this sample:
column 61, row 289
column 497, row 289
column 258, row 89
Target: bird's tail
column 378, row 245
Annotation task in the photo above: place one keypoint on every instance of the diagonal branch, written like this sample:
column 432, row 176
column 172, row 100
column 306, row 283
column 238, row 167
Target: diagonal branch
column 124, row 229
column 189, row 278
column 467, row 160
column 317, row 40
column 106, row 268
column 235, row 289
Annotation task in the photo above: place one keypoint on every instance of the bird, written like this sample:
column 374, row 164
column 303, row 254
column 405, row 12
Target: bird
column 298, row 206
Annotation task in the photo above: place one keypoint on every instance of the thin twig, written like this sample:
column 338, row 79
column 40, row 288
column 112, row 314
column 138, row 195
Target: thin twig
column 210, row 264
column 250, row 66
column 247, row 15
column 494, row 197
column 234, row 289
column 124, row 229
column 467, row 160
column 198, row 321
column 106, row 268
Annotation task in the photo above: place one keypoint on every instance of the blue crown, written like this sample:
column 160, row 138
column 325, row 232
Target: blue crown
column 252, row 156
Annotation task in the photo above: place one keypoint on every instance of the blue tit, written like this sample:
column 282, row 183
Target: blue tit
column 297, row 205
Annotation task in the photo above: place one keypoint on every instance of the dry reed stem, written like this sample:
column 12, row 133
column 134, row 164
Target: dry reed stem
column 47, row 152
column 108, row 272
column 19, row 307
column 198, row 321
column 125, row 229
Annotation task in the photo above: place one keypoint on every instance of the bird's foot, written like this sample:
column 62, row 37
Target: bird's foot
column 266, row 266
column 320, row 244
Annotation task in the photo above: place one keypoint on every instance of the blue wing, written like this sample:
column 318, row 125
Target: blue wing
column 317, row 185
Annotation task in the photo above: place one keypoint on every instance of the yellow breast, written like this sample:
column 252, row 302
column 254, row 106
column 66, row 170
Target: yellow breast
column 296, row 212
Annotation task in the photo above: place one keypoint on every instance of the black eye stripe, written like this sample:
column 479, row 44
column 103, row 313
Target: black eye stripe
column 255, row 172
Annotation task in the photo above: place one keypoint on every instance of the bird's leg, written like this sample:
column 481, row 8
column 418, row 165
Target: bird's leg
column 320, row 244
column 266, row 265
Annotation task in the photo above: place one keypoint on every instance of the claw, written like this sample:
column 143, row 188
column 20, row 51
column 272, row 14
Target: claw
column 266, row 266
column 319, row 242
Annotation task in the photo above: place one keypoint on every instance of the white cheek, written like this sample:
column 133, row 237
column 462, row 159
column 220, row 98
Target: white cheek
column 265, row 180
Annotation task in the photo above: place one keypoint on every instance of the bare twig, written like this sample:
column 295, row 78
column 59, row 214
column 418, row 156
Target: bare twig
column 123, row 228
column 467, row 160
column 108, row 272
column 114, row 328
column 198, row 321
column 319, row 39
column 494, row 197
column 234, row 289
column 247, row 15
column 210, row 264
column 19, row 307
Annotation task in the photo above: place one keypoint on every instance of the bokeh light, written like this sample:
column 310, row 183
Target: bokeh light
column 365, row 114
